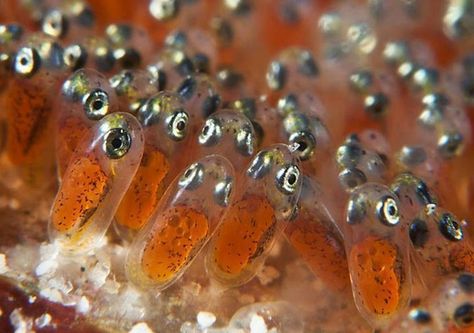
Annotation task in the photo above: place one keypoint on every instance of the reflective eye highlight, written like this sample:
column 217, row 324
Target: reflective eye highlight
column 177, row 125
column 75, row 56
column 222, row 192
column 96, row 104
column 450, row 228
column 117, row 142
column 55, row 24
column 287, row 179
column 211, row 133
column 27, row 61
column 245, row 141
column 387, row 211
column 192, row 177
column 306, row 144
column 260, row 165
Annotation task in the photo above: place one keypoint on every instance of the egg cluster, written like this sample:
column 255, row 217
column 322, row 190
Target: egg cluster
column 187, row 129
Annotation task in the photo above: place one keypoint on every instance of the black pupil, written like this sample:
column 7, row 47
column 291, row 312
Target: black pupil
column 24, row 61
column 117, row 142
column 97, row 104
column 205, row 130
column 302, row 146
column 180, row 125
column 292, row 179
column 188, row 173
column 391, row 210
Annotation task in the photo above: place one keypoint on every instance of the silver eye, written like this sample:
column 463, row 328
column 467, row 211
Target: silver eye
column 435, row 100
column 430, row 116
column 246, row 106
column 450, row 228
column 276, row 75
column 362, row 36
column 149, row 112
column 177, row 39
column 412, row 155
column 5, row 61
column 187, row 88
column 376, row 104
column 183, row 65
column 177, row 125
column 287, row 104
column 51, row 54
column 222, row 192
column 163, row 9
column 406, row 70
column 295, row 122
column 104, row 58
column 121, row 82
column 387, row 211
column 27, row 61
column 55, row 24
column 96, row 104
column 287, row 179
column 361, row 80
column 75, row 56
column 330, row 24
column 424, row 194
column 127, row 57
column 118, row 33
column 76, row 86
column 261, row 165
column 192, row 177
column 211, row 133
column 425, row 78
column 458, row 19
column 117, row 142
column 82, row 14
column 306, row 144
column 356, row 209
column 306, row 64
column 245, row 140
column 238, row 6
column 419, row 315
column 450, row 144
column 10, row 32
column 349, row 154
column 158, row 76
column 228, row 78
column 396, row 52
column 210, row 105
column 351, row 178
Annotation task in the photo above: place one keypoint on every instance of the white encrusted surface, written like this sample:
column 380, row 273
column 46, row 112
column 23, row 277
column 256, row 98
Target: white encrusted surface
column 95, row 285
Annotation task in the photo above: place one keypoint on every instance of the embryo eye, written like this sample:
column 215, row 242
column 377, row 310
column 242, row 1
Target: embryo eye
column 117, row 142
column 387, row 211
